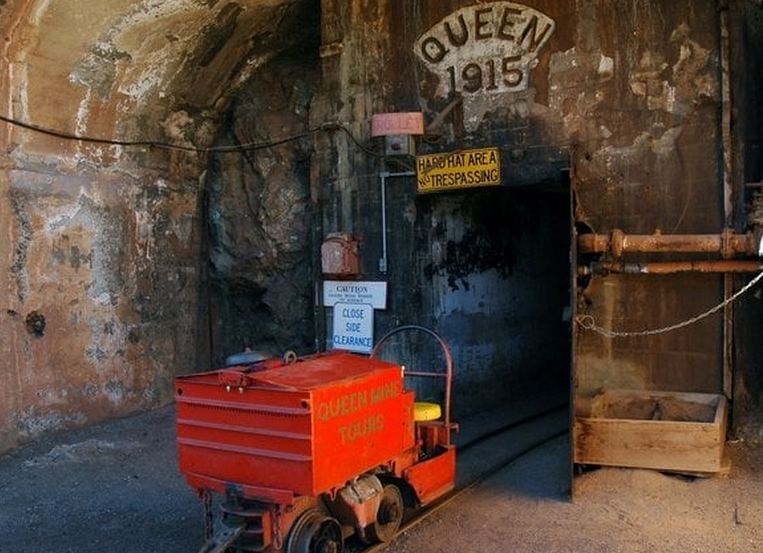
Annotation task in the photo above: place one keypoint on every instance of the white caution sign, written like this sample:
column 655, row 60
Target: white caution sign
column 373, row 293
column 353, row 327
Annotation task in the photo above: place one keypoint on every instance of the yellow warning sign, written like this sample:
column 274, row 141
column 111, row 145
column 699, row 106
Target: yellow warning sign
column 462, row 169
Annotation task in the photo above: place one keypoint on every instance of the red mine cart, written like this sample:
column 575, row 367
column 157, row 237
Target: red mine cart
column 309, row 451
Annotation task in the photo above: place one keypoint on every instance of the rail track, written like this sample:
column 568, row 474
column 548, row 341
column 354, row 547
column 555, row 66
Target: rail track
column 353, row 545
column 457, row 493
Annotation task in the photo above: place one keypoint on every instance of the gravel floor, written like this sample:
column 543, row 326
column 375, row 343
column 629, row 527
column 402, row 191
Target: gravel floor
column 525, row 509
column 115, row 488
column 111, row 488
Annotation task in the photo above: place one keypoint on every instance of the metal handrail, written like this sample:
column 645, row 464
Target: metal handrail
column 448, row 375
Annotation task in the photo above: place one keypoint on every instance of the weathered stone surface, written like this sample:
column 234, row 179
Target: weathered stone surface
column 105, row 253
column 260, row 217
column 625, row 95
column 102, row 242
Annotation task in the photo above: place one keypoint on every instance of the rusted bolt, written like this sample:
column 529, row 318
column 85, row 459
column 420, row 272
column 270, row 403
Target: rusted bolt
column 617, row 243
column 35, row 323
column 727, row 248
column 517, row 154
column 388, row 513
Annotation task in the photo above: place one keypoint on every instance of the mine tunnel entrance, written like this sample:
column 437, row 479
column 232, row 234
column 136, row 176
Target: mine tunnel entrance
column 500, row 275
column 490, row 271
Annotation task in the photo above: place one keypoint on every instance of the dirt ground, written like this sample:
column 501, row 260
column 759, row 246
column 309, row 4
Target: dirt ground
column 524, row 509
column 115, row 488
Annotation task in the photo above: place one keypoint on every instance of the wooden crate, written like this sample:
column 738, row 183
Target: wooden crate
column 670, row 431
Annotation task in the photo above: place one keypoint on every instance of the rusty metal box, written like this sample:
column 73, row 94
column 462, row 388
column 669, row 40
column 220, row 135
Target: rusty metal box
column 302, row 428
column 339, row 255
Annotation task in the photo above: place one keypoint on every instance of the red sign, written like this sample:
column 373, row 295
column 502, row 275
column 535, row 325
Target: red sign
column 385, row 124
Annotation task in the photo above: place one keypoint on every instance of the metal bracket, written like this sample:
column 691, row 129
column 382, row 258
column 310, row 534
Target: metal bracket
column 223, row 539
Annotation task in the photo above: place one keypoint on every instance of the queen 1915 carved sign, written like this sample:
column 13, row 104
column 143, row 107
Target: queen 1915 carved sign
column 486, row 48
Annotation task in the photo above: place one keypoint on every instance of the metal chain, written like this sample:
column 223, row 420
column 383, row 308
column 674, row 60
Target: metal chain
column 209, row 524
column 589, row 323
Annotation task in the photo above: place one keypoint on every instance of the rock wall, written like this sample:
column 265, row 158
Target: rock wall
column 123, row 265
column 100, row 244
column 260, row 289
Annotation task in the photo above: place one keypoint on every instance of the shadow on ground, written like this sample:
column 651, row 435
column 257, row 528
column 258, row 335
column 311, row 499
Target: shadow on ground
column 112, row 487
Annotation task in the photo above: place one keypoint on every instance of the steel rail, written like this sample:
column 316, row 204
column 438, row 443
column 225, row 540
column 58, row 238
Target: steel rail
column 226, row 536
column 435, row 507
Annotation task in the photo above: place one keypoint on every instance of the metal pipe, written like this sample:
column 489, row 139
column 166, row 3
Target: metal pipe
column 316, row 197
column 426, row 374
column 729, row 244
column 672, row 267
column 383, row 192
column 440, row 117
column 383, row 176
column 728, row 190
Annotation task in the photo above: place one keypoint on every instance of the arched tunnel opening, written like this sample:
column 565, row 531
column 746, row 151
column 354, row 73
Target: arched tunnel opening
column 477, row 266
column 567, row 193
column 491, row 270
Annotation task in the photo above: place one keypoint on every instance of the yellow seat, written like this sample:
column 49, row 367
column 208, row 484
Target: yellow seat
column 423, row 412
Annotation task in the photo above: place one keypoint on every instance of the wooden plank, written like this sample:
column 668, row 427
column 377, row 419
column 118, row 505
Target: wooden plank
column 648, row 444
column 695, row 397
column 678, row 446
column 721, row 415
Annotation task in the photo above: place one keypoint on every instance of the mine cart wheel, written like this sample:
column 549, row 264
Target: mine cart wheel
column 389, row 516
column 313, row 532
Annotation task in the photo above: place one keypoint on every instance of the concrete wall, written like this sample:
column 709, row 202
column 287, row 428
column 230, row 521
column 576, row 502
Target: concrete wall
column 488, row 270
column 625, row 94
column 659, row 170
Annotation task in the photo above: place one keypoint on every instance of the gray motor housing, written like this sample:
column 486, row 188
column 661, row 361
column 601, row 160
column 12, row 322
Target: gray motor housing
column 246, row 358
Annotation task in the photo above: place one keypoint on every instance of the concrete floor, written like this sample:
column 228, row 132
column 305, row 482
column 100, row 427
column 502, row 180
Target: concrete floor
column 115, row 487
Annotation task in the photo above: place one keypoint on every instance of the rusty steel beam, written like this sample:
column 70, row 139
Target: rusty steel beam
column 728, row 244
column 671, row 267
column 727, row 138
